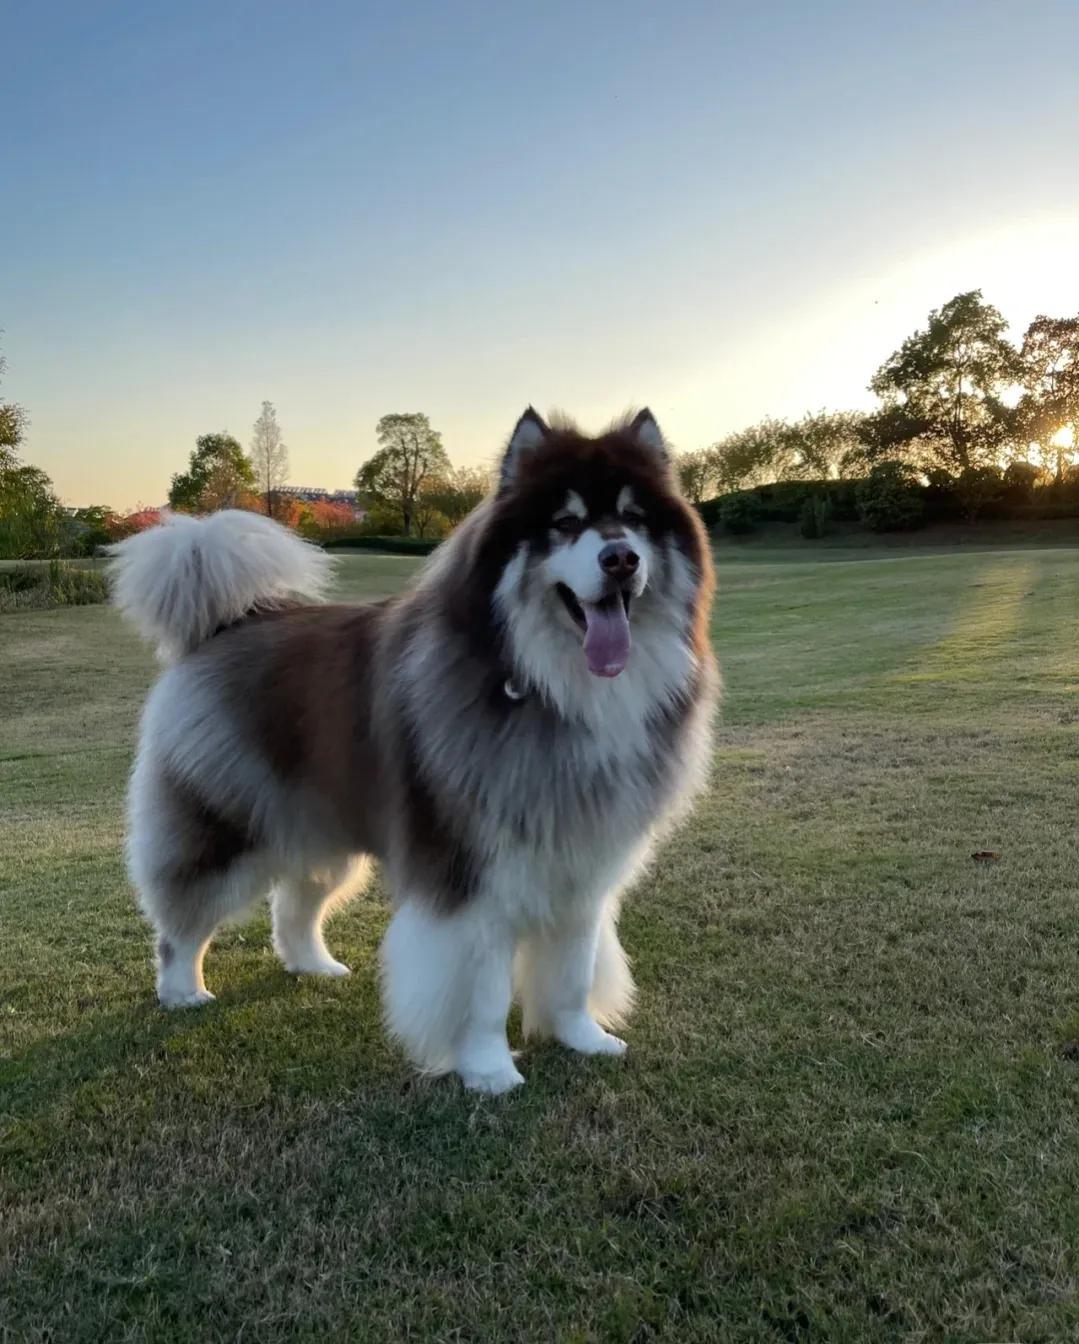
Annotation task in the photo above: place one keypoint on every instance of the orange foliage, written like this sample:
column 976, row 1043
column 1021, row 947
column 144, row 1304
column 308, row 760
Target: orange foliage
column 121, row 525
column 327, row 516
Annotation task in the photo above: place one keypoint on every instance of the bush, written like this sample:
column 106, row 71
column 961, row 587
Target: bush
column 816, row 520
column 741, row 512
column 785, row 501
column 37, row 587
column 890, row 498
column 390, row 545
column 1020, row 479
column 978, row 489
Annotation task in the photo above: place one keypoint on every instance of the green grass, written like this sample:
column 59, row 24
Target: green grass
column 851, row 1106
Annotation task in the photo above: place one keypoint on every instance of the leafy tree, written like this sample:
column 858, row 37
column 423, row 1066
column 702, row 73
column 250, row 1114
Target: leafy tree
column 754, row 456
column 826, row 443
column 698, row 474
column 942, row 387
column 32, row 522
column 13, row 421
column 1050, row 378
column 821, row 445
column 410, row 455
column 269, row 459
column 457, row 492
column 138, row 521
column 93, row 526
column 382, row 520
column 320, row 517
column 218, row 476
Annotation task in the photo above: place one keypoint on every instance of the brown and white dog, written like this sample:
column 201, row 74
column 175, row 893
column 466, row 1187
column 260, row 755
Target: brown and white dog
column 508, row 738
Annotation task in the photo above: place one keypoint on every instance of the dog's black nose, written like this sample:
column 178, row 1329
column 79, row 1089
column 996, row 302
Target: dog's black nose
column 618, row 560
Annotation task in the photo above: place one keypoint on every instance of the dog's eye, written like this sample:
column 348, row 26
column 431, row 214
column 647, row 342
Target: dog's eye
column 632, row 514
column 568, row 524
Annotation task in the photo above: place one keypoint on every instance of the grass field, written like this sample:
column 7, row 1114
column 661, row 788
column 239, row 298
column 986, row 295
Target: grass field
column 850, row 1111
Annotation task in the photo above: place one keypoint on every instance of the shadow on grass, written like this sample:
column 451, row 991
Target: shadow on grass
column 271, row 1044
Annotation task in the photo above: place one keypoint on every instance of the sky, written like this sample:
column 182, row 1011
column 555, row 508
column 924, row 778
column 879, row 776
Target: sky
column 723, row 211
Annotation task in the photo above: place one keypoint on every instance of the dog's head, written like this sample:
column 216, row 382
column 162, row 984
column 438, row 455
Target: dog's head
column 593, row 541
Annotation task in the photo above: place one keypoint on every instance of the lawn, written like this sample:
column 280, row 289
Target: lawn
column 850, row 1111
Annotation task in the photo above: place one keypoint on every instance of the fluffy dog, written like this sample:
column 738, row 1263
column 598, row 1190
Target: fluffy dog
column 507, row 738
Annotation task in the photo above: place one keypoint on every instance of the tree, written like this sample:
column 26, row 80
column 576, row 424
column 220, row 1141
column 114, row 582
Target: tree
column 32, row 522
column 411, row 453
column 820, row 445
column 319, row 517
column 12, row 428
column 698, row 474
column 826, row 442
column 218, row 476
column 1050, row 380
column 754, row 456
column 269, row 459
column 457, row 492
column 947, row 380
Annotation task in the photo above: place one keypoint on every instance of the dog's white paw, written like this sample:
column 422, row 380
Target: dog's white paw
column 189, row 998
column 335, row 970
column 493, row 1083
column 582, row 1033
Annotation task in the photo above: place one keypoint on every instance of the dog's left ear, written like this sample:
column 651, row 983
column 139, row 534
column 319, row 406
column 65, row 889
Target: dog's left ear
column 646, row 431
column 530, row 433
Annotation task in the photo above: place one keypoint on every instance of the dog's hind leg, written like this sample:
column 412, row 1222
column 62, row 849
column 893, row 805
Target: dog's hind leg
column 179, row 950
column 192, row 867
column 447, row 987
column 573, row 975
column 185, row 918
column 300, row 907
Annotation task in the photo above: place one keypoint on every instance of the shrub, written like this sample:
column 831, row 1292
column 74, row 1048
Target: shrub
column 1020, row 478
column 390, row 545
column 816, row 520
column 784, row 501
column 978, row 489
column 37, row 587
column 740, row 512
column 889, row 498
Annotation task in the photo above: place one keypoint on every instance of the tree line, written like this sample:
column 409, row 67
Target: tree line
column 962, row 411
column 958, row 402
column 407, row 488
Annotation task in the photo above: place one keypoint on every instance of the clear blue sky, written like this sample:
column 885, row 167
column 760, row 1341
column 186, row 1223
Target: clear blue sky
column 723, row 210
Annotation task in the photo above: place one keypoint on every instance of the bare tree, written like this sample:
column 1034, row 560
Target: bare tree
column 269, row 459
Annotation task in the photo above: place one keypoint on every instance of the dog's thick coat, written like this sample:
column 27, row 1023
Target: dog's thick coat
column 490, row 736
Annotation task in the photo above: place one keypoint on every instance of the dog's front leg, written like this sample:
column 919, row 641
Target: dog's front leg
column 447, row 986
column 572, row 974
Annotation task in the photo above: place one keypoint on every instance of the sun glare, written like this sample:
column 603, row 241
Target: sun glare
column 1063, row 438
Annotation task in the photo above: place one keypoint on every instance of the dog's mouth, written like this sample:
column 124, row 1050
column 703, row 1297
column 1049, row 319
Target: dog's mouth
column 605, row 625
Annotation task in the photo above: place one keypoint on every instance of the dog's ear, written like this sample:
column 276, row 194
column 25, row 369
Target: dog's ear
column 646, row 431
column 530, row 433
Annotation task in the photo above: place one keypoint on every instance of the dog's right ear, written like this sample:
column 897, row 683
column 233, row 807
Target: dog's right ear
column 530, row 433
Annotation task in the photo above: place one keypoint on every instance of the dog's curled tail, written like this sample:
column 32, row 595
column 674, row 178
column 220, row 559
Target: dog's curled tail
column 185, row 579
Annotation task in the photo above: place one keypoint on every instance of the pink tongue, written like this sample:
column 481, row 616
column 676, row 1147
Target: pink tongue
column 606, row 640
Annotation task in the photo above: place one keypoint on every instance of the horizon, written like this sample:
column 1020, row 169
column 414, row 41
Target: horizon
column 721, row 215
